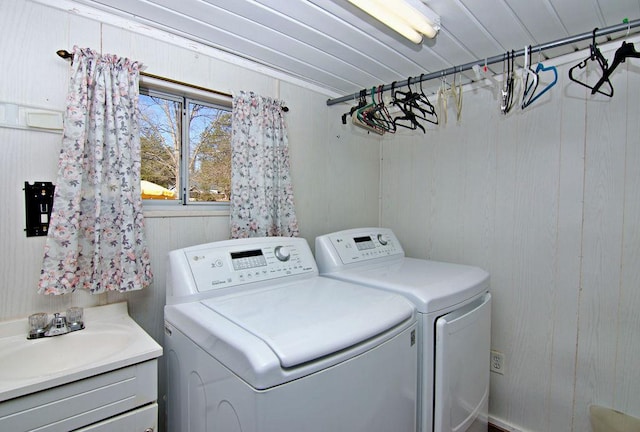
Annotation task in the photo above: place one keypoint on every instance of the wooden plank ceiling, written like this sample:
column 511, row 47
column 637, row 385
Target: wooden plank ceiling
column 333, row 44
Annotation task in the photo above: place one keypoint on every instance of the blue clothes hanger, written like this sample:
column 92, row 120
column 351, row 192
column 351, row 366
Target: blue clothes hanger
column 533, row 96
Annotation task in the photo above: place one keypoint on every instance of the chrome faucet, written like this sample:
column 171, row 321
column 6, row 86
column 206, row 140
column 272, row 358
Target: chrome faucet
column 59, row 325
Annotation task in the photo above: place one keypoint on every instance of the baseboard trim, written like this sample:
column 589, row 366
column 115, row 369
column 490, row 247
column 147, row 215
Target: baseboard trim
column 494, row 428
column 498, row 425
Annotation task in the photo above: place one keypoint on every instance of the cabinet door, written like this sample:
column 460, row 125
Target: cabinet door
column 143, row 419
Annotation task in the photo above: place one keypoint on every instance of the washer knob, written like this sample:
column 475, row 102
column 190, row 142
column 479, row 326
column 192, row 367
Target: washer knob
column 383, row 239
column 282, row 253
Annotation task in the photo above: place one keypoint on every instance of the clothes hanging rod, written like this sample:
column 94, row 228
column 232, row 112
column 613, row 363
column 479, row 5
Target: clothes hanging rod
column 495, row 59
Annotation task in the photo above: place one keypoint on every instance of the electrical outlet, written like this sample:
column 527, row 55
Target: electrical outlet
column 497, row 362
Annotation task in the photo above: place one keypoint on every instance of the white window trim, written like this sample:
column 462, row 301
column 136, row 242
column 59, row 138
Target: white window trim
column 159, row 208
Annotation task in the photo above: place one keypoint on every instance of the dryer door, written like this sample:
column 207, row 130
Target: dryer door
column 463, row 339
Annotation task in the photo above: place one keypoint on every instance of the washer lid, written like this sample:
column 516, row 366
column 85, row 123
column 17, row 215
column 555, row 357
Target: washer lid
column 304, row 321
column 430, row 285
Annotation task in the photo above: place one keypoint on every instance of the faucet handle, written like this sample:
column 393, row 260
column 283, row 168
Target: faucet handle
column 37, row 325
column 74, row 318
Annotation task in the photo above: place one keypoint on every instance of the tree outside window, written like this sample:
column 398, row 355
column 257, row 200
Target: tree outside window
column 189, row 164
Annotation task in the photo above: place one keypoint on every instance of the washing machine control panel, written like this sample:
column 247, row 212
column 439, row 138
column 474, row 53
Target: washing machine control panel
column 221, row 266
column 362, row 244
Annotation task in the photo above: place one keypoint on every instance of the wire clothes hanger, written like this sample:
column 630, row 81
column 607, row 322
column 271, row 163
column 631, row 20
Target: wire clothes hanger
column 594, row 56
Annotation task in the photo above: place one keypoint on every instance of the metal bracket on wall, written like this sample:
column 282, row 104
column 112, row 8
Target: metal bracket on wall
column 38, row 200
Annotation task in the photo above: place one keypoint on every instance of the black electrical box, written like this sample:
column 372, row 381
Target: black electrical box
column 38, row 200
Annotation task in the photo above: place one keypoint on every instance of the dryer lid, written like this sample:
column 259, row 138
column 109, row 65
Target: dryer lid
column 431, row 285
column 304, row 321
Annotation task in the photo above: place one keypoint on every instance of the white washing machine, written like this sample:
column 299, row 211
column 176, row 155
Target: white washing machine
column 454, row 321
column 256, row 341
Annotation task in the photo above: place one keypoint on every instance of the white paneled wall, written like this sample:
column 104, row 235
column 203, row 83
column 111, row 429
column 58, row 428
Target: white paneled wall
column 548, row 201
column 335, row 174
column 330, row 168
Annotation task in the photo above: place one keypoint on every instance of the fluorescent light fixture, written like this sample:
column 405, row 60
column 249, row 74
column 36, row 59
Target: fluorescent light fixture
column 411, row 18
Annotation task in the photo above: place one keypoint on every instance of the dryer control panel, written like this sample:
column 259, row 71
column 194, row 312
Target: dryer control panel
column 356, row 245
column 231, row 263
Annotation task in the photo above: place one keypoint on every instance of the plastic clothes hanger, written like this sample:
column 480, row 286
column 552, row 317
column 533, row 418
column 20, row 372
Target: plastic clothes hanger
column 381, row 113
column 594, row 56
column 370, row 114
column 405, row 103
column 443, row 96
column 541, row 68
column 367, row 114
column 361, row 102
column 410, row 101
column 509, row 86
column 456, row 93
column 432, row 115
column 530, row 78
column 627, row 50
column 357, row 118
column 533, row 95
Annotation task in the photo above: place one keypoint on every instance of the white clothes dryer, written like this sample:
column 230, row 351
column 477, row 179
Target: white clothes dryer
column 256, row 341
column 454, row 321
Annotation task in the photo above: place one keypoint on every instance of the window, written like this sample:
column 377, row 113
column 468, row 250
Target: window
column 185, row 147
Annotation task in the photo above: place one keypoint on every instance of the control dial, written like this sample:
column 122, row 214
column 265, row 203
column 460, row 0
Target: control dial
column 383, row 239
column 282, row 253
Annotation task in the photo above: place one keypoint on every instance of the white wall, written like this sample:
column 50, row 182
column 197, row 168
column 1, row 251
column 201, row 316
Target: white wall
column 335, row 174
column 548, row 201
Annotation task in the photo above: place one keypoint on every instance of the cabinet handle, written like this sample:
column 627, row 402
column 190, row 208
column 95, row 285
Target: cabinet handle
column 148, row 430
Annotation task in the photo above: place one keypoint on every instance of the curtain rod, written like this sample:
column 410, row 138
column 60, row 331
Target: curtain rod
column 495, row 59
column 68, row 56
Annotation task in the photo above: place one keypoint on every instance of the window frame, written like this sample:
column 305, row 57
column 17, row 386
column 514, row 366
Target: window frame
column 185, row 94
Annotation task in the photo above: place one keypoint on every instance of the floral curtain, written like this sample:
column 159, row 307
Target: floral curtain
column 96, row 233
column 261, row 192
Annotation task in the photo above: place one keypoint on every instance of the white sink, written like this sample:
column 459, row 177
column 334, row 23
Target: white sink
column 22, row 358
column 110, row 340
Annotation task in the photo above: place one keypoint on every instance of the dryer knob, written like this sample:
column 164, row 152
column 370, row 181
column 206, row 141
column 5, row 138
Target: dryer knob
column 282, row 253
column 383, row 239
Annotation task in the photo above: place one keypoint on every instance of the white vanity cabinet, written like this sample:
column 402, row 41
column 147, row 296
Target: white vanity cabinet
column 117, row 392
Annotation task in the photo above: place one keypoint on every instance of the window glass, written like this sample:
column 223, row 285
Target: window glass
column 160, row 146
column 209, row 153
column 186, row 165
